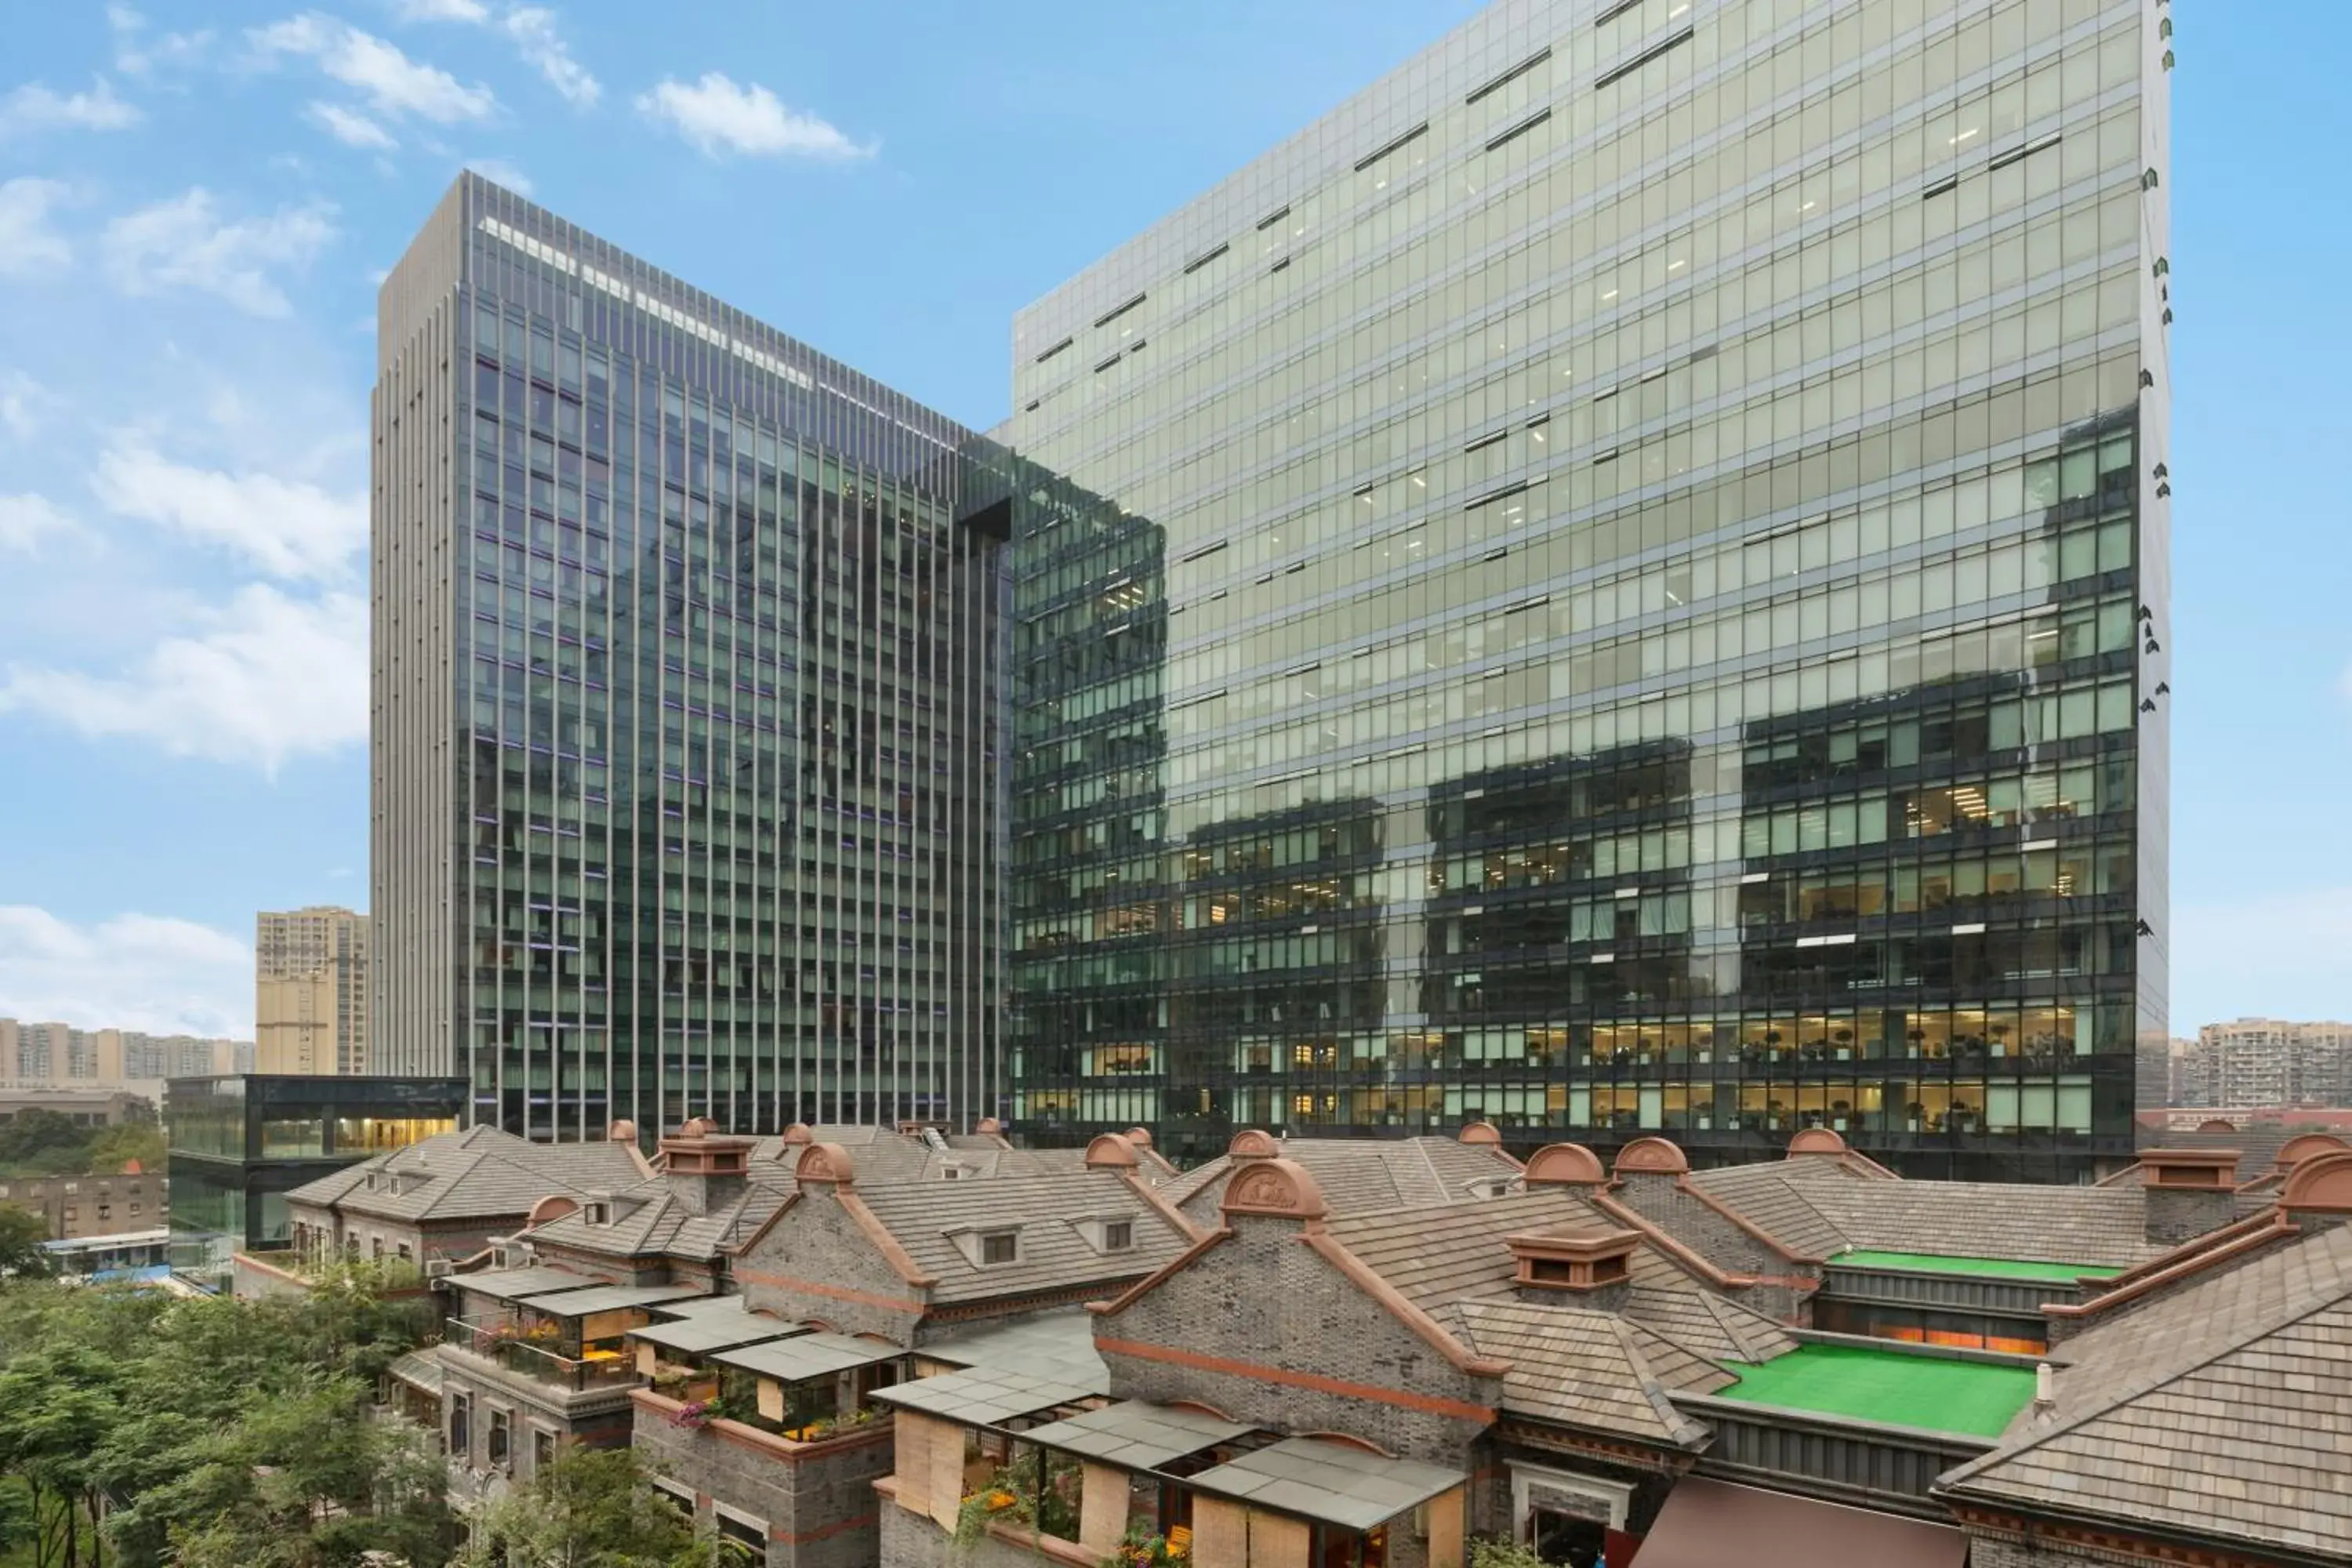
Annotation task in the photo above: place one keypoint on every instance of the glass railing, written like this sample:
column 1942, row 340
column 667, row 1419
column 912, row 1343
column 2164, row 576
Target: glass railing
column 540, row 1356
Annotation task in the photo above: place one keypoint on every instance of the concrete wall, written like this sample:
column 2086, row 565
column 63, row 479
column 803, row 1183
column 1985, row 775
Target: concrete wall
column 817, row 1500
column 1260, row 1305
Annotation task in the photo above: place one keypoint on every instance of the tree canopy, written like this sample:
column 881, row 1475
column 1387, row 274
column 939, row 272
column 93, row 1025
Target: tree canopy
column 136, row 1430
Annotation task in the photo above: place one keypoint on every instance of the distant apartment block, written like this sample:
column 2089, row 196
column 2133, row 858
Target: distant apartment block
column 36, row 1054
column 311, row 990
column 2253, row 1062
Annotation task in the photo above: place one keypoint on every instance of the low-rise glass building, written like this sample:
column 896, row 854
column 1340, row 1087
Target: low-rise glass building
column 237, row 1145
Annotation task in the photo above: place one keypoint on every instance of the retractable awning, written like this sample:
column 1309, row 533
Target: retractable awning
column 1705, row 1524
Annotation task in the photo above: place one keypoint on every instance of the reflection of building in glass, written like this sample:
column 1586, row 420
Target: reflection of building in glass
column 1675, row 384
column 684, row 746
column 238, row 1145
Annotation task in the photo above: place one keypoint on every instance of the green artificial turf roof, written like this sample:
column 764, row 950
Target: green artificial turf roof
column 1991, row 1267
column 1974, row 1397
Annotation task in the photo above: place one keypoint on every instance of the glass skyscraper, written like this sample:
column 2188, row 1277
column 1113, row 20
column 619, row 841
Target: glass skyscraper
column 1617, row 583
column 685, row 784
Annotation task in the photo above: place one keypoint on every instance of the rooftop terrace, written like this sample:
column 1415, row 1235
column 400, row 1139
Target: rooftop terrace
column 1929, row 1392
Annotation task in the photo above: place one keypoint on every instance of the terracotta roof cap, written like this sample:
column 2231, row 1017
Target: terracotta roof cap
column 798, row 1134
column 1564, row 1165
column 1111, row 1152
column 1276, row 1188
column 2308, row 1145
column 621, row 1132
column 1140, row 1136
column 1251, row 1143
column 2321, row 1183
column 1817, row 1140
column 698, row 1127
column 2203, row 1169
column 1652, row 1156
column 1481, row 1132
column 826, row 1162
column 988, row 1126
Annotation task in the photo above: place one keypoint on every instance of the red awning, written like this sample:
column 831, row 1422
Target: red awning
column 1709, row 1524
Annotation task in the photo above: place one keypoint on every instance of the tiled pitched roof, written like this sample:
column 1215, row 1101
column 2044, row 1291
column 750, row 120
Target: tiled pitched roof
column 1444, row 1260
column 649, row 1220
column 2221, row 1409
column 1832, row 1209
column 480, row 1172
column 1774, row 1194
column 1364, row 1176
column 1590, row 1369
column 926, row 1217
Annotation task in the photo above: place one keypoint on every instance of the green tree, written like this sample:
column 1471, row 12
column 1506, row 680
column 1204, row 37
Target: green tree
column 22, row 1232
column 593, row 1507
column 35, row 1131
column 112, row 1149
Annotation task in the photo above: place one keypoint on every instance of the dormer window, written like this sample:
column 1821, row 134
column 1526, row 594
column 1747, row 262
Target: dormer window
column 1000, row 1246
column 598, row 1213
column 1106, row 1232
column 954, row 1173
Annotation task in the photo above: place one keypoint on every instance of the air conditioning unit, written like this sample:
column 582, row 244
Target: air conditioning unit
column 437, row 1269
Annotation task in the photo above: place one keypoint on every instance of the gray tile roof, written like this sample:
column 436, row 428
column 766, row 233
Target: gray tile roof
column 1590, row 1369
column 1136, row 1435
column 1052, row 1344
column 1828, row 1209
column 480, row 1172
column 648, row 1219
column 1362, row 1176
column 2221, row 1409
column 1313, row 1477
column 513, row 1284
column 572, row 1303
column 926, row 1217
column 725, row 1322
column 798, row 1356
column 985, row 1396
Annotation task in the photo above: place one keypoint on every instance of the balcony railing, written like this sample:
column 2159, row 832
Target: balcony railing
column 539, row 1356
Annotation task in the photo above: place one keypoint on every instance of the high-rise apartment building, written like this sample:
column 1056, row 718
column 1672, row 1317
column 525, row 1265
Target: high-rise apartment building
column 1630, row 593
column 683, row 758
column 2251, row 1062
column 311, row 990
column 35, row 1053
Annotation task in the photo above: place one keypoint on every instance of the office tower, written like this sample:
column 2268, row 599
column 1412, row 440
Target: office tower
column 683, row 757
column 311, row 990
column 1632, row 596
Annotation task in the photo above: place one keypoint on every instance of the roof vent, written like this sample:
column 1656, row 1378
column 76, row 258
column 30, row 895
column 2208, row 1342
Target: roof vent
column 2200, row 1170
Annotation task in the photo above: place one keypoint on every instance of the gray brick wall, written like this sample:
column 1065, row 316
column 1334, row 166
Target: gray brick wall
column 913, row 1541
column 1660, row 1200
column 1994, row 1552
column 819, row 1507
column 1264, row 1299
column 814, row 1243
column 2175, row 1216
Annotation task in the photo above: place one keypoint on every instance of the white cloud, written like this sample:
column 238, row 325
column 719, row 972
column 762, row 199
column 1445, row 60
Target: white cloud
column 28, row 245
column 498, row 171
column 717, row 116
column 392, row 83
column 267, row 678
column 34, row 107
column 23, row 405
column 135, row 54
column 287, row 528
column 185, row 243
column 443, row 11
column 2278, row 955
column 349, row 127
column 532, row 28
column 26, row 519
column 155, row 973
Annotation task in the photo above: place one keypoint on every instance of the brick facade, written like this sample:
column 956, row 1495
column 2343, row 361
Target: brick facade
column 815, row 1500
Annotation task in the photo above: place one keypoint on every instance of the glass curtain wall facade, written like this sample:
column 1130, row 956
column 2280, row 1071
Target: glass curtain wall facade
column 1631, row 598
column 684, row 752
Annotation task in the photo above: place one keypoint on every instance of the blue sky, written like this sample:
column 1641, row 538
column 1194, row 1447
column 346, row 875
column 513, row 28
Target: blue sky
column 196, row 201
